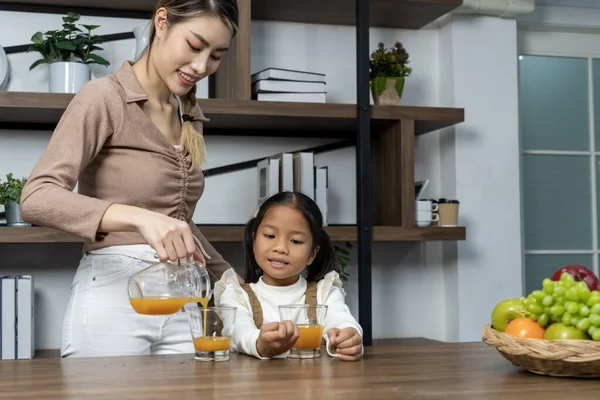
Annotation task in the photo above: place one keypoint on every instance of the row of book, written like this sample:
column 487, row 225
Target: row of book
column 277, row 84
column 293, row 172
column 17, row 319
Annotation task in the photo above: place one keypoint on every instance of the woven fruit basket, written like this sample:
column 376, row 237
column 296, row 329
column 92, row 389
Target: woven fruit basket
column 560, row 358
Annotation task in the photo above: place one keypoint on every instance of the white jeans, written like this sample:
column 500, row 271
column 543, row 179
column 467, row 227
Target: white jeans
column 99, row 320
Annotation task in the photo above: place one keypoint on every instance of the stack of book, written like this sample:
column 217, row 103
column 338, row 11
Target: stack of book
column 277, row 84
column 16, row 322
column 293, row 172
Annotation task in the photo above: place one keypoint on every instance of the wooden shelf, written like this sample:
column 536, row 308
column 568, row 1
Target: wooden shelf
column 234, row 233
column 433, row 233
column 31, row 110
column 399, row 14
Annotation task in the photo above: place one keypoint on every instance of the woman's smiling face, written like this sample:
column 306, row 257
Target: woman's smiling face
column 188, row 51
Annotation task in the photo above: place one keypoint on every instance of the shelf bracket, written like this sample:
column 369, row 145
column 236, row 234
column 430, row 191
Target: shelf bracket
column 232, row 79
column 407, row 173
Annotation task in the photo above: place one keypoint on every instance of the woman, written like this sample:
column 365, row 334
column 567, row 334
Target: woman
column 133, row 142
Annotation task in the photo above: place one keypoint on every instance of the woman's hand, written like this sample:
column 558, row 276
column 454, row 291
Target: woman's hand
column 171, row 238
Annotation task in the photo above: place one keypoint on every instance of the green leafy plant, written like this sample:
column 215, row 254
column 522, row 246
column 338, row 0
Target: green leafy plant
column 342, row 254
column 69, row 44
column 11, row 189
column 389, row 63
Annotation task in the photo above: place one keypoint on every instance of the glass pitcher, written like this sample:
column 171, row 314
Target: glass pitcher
column 163, row 288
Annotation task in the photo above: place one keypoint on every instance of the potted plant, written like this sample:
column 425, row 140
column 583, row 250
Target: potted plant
column 10, row 197
column 388, row 69
column 68, row 51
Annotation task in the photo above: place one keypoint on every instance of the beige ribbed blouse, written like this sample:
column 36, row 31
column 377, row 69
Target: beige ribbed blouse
column 107, row 144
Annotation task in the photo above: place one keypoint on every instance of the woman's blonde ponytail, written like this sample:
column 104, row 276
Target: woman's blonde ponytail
column 192, row 142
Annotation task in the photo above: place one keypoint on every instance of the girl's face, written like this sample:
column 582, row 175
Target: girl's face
column 283, row 245
column 191, row 50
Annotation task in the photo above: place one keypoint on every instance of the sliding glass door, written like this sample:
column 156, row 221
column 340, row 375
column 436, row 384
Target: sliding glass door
column 559, row 111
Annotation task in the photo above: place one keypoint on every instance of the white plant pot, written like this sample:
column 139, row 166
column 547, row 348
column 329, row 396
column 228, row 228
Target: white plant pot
column 68, row 77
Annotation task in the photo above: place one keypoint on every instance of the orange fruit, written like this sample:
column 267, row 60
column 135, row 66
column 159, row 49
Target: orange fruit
column 525, row 328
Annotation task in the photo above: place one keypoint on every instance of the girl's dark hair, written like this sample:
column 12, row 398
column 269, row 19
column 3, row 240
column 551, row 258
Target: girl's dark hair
column 324, row 262
column 179, row 11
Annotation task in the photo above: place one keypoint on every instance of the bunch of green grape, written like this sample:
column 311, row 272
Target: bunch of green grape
column 566, row 301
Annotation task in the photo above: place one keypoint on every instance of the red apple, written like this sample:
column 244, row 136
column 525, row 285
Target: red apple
column 580, row 273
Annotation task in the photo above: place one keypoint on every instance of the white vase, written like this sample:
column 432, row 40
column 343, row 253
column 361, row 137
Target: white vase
column 141, row 34
column 68, row 77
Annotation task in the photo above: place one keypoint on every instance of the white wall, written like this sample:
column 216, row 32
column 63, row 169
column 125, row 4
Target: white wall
column 408, row 280
column 482, row 157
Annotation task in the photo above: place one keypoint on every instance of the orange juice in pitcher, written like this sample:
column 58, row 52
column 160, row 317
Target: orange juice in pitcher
column 155, row 305
column 164, row 288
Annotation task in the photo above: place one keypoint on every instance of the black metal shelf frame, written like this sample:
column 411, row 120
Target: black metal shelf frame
column 363, row 172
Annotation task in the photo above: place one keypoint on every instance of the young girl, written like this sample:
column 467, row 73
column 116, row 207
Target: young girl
column 284, row 239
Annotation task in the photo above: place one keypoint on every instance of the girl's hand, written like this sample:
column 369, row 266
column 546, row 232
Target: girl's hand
column 171, row 238
column 348, row 343
column 276, row 338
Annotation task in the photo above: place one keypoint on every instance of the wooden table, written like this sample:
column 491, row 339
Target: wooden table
column 439, row 371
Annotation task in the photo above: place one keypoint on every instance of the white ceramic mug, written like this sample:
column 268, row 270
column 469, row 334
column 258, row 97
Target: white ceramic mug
column 425, row 217
column 423, row 205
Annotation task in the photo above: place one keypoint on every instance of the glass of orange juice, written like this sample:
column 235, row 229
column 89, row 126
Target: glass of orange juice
column 164, row 288
column 211, row 329
column 310, row 321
